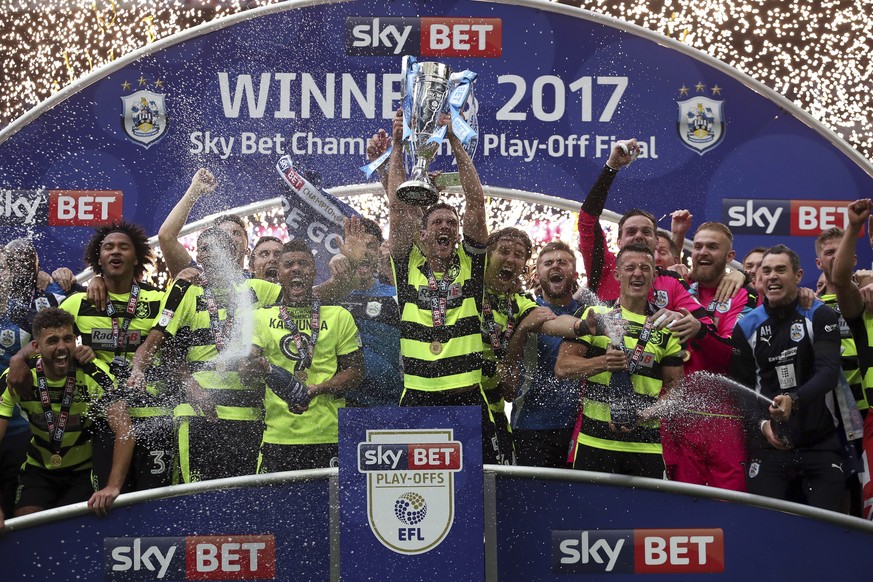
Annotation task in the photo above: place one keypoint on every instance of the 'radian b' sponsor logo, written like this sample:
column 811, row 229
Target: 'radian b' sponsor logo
column 427, row 37
column 225, row 557
column 104, row 339
column 410, row 486
column 638, row 551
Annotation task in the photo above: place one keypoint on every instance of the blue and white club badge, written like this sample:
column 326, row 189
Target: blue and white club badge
column 7, row 338
column 796, row 332
column 374, row 308
column 144, row 117
column 701, row 123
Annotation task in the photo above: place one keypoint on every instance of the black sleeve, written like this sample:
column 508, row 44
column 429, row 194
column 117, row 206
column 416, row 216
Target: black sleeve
column 112, row 390
column 826, row 347
column 400, row 264
column 174, row 299
column 175, row 294
column 743, row 365
column 743, row 369
column 595, row 202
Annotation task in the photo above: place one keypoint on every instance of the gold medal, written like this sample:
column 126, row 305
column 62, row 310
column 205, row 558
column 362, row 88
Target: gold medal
column 55, row 460
column 436, row 347
column 301, row 375
column 686, row 355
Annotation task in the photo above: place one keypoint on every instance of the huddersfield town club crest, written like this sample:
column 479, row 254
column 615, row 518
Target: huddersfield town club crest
column 144, row 117
column 701, row 123
column 410, row 486
column 7, row 338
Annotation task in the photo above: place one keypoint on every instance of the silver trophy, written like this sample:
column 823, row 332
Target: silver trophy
column 429, row 92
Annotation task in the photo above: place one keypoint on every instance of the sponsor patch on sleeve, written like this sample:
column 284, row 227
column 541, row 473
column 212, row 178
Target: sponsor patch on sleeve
column 166, row 317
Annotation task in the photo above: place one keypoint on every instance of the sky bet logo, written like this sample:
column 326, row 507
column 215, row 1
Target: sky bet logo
column 409, row 457
column 638, row 551
column 229, row 557
column 784, row 217
column 427, row 37
column 60, row 207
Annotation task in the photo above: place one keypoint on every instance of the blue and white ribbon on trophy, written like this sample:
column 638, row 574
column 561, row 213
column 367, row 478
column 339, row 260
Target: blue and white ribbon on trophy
column 407, row 89
column 373, row 166
column 460, row 96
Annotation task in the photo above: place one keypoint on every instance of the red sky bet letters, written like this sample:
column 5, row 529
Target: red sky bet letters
column 225, row 557
column 638, row 551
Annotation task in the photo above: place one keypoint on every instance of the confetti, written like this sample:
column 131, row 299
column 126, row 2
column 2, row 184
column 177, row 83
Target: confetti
column 816, row 54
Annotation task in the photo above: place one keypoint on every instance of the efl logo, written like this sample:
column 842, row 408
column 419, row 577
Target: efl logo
column 638, row 551
column 410, row 486
column 84, row 207
column 429, row 36
column 243, row 557
column 784, row 217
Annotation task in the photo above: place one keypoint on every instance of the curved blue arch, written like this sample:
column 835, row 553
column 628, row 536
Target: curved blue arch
column 565, row 83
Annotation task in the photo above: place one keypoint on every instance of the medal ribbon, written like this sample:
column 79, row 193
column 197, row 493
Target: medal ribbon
column 219, row 330
column 305, row 346
column 645, row 334
column 56, row 430
column 499, row 340
column 119, row 332
column 439, row 294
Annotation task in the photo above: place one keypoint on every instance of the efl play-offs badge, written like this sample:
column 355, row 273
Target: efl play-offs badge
column 410, row 486
column 701, row 123
column 144, row 117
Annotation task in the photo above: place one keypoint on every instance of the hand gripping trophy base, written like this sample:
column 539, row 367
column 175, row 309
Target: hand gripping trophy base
column 418, row 192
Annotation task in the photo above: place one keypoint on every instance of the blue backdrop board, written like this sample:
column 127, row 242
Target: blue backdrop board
column 411, row 493
column 313, row 80
column 277, row 531
column 542, row 524
column 563, row 530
